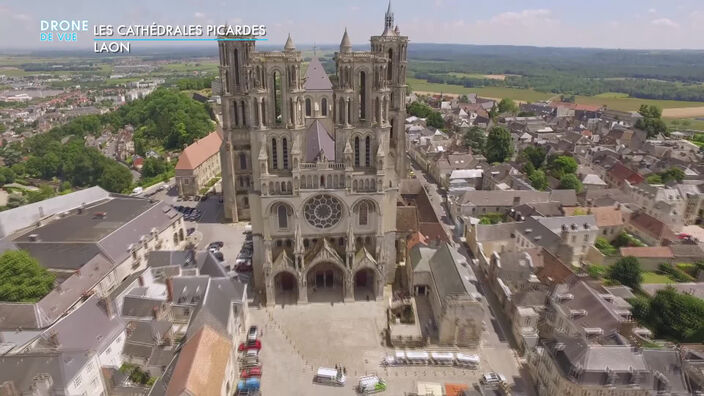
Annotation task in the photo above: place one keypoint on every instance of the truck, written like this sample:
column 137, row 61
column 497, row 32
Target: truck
column 371, row 384
column 329, row 376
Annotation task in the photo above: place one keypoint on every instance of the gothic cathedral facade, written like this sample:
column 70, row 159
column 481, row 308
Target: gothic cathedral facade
column 314, row 162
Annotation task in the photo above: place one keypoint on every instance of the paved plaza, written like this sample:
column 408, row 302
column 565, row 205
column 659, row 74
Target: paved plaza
column 298, row 339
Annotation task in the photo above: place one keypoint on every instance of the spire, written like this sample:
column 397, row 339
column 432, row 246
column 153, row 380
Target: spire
column 388, row 21
column 345, row 44
column 289, row 44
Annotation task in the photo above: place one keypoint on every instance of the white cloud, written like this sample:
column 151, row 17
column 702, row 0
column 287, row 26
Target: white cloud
column 667, row 22
column 652, row 11
column 525, row 17
column 199, row 14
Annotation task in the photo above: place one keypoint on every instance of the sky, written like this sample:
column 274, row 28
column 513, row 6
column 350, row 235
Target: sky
column 639, row 24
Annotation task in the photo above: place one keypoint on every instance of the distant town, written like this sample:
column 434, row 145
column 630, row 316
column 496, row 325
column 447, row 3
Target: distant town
column 337, row 220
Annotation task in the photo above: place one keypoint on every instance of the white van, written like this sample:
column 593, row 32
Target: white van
column 329, row 376
column 137, row 190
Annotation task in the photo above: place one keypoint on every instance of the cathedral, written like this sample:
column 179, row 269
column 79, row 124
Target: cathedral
column 314, row 162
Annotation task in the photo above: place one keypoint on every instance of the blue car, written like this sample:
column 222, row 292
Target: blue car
column 249, row 384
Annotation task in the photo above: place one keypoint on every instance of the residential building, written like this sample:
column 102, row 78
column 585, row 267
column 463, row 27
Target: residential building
column 198, row 164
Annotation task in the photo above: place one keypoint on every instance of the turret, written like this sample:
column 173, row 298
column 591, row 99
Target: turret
column 289, row 44
column 345, row 44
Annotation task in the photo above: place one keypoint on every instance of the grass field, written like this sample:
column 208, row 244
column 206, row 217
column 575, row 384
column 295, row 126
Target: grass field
column 690, row 124
column 652, row 277
column 613, row 100
column 190, row 66
column 479, row 75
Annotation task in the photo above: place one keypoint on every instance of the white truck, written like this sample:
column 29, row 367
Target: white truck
column 329, row 376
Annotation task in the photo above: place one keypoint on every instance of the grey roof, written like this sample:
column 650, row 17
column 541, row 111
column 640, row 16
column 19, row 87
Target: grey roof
column 216, row 308
column 164, row 258
column 18, row 218
column 565, row 197
column 88, row 327
column 555, row 224
column 318, row 140
column 599, row 312
column 495, row 232
column 420, row 257
column 316, row 79
column 185, row 288
column 137, row 350
column 61, row 255
column 503, row 198
column 147, row 331
column 668, row 363
column 22, row 369
column 210, row 265
column 139, row 306
column 447, row 275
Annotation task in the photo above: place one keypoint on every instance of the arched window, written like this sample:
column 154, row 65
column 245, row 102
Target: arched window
column 324, row 106
column 341, row 111
column 356, row 151
column 363, row 213
column 368, row 151
column 274, row 155
column 244, row 117
column 237, row 68
column 283, row 216
column 245, row 200
column 284, row 151
column 278, row 95
column 243, row 161
column 235, row 119
column 308, row 108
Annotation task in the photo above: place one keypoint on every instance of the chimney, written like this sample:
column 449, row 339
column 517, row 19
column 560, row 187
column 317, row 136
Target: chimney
column 155, row 312
column 108, row 307
column 169, row 290
column 140, row 280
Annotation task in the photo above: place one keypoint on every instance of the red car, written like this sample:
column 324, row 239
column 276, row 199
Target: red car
column 256, row 344
column 251, row 372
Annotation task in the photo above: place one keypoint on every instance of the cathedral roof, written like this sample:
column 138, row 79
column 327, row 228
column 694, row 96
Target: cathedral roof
column 316, row 79
column 318, row 140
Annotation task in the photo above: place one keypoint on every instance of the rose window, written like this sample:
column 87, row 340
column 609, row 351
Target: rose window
column 323, row 211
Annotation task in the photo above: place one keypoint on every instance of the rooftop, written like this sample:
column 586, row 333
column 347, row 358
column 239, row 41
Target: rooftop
column 199, row 151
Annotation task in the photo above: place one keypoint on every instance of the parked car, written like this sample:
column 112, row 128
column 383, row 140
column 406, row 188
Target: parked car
column 219, row 256
column 245, row 346
column 253, row 333
column 492, row 378
column 251, row 372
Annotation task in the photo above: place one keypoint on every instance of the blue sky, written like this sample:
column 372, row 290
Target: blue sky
column 664, row 24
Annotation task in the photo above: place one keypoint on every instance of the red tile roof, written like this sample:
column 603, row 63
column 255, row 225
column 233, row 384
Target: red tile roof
column 622, row 173
column 199, row 152
column 651, row 226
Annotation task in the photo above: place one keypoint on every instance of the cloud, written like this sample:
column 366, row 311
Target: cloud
column 652, row 11
column 666, row 22
column 199, row 14
column 525, row 17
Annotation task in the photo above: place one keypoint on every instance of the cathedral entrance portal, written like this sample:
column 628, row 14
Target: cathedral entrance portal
column 364, row 280
column 325, row 283
column 285, row 288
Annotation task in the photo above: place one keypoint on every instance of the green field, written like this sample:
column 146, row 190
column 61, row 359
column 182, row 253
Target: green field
column 611, row 100
column 211, row 67
column 652, row 277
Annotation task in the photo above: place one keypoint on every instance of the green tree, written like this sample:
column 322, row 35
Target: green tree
column 435, row 120
column 604, row 246
column 571, row 182
column 672, row 174
column 507, row 105
column 561, row 165
column 534, row 154
column 499, row 145
column 653, row 178
column 22, row 279
column 475, row 139
column 538, row 180
column 651, row 122
column 627, row 272
column 464, row 99
column 115, row 178
column 6, row 175
column 153, row 167
column 419, row 109
column 677, row 316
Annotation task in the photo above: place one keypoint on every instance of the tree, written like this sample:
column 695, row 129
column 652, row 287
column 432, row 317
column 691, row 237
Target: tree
column 651, row 122
column 571, row 182
column 538, row 180
column 561, row 165
column 627, row 272
column 420, row 110
column 653, row 178
column 534, row 154
column 435, row 120
column 672, row 174
column 115, row 178
column 604, row 246
column 153, row 167
column 507, row 105
column 499, row 145
column 674, row 315
column 475, row 139
column 464, row 99
column 22, row 279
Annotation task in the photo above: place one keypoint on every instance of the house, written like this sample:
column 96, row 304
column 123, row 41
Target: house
column 649, row 257
column 609, row 219
column 200, row 162
column 592, row 181
column 619, row 174
column 206, row 348
column 649, row 229
column 662, row 202
column 566, row 365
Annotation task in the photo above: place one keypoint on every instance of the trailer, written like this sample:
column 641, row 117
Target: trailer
column 417, row 357
column 467, row 361
column 443, row 358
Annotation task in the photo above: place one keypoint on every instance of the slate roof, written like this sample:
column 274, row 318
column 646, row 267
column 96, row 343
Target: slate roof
column 668, row 363
column 216, row 307
column 599, row 312
column 199, row 151
column 316, row 79
column 449, row 275
column 22, row 369
column 318, row 140
column 651, row 226
column 647, row 252
column 406, row 219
